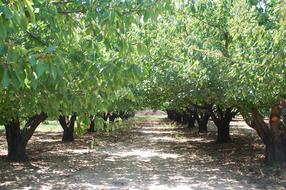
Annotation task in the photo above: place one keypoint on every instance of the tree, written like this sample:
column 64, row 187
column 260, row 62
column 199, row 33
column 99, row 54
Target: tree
column 56, row 58
column 258, row 75
column 222, row 119
column 18, row 138
column 68, row 124
column 226, row 54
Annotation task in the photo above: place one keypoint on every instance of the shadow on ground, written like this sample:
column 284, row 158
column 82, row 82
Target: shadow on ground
column 153, row 155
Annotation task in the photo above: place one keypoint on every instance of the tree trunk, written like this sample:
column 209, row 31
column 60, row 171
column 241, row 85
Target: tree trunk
column 112, row 117
column 222, row 119
column 178, row 118
column 191, row 121
column 68, row 134
column 274, row 135
column 68, row 124
column 16, row 144
column 18, row 138
column 185, row 118
column 171, row 114
column 223, row 133
column 91, row 125
column 203, row 128
column 202, row 119
column 275, row 152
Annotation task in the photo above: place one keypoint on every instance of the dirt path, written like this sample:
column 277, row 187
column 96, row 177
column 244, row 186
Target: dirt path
column 154, row 156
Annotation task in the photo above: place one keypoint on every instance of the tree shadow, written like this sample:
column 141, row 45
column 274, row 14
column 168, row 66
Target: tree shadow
column 148, row 157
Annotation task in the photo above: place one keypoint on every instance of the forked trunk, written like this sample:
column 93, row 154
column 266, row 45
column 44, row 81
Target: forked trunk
column 202, row 119
column 18, row 138
column 222, row 119
column 68, row 124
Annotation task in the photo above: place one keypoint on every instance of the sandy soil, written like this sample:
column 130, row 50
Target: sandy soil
column 153, row 155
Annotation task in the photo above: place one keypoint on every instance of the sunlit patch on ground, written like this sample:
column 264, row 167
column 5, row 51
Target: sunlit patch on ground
column 144, row 154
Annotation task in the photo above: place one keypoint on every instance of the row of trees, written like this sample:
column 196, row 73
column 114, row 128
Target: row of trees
column 201, row 116
column 67, row 60
column 222, row 58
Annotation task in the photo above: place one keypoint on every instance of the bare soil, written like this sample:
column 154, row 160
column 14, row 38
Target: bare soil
column 155, row 154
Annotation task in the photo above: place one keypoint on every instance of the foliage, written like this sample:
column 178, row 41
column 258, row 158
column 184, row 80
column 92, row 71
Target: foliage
column 68, row 56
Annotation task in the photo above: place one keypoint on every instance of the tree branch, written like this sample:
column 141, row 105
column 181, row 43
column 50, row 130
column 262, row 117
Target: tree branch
column 37, row 38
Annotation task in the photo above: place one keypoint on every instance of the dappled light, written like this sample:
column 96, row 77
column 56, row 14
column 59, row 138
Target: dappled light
column 160, row 157
column 143, row 154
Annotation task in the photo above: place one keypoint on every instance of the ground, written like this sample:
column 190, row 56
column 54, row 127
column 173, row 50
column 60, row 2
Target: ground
column 153, row 154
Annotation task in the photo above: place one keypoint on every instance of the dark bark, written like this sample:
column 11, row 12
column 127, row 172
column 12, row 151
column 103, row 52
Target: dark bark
column 112, row 117
column 105, row 116
column 16, row 143
column 272, row 135
column 91, row 124
column 178, row 117
column 123, row 115
column 191, row 121
column 223, row 134
column 202, row 119
column 185, row 118
column 171, row 114
column 222, row 119
column 275, row 152
column 68, row 124
column 18, row 138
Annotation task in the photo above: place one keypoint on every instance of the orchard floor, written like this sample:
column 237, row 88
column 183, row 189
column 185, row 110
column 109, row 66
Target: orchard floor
column 154, row 154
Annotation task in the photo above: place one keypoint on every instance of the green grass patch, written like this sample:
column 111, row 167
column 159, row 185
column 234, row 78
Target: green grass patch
column 149, row 117
column 47, row 126
column 52, row 126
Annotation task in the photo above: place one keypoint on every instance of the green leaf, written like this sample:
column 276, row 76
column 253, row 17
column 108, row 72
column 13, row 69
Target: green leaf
column 147, row 15
column 5, row 80
column 33, row 60
column 22, row 21
column 34, row 83
column 53, row 71
column 3, row 50
column 12, row 56
column 3, row 32
column 41, row 67
column 6, row 11
column 30, row 9
column 50, row 49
